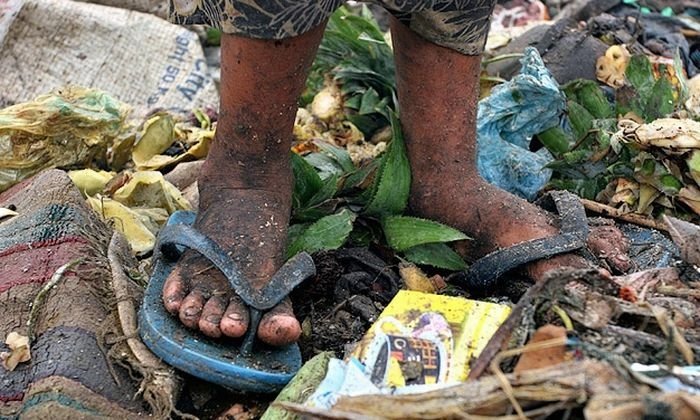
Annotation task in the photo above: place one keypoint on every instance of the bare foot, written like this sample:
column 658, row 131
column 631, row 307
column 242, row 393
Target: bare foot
column 245, row 187
column 252, row 226
column 440, row 133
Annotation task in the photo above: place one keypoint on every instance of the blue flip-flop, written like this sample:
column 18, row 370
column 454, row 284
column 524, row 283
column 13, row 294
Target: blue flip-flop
column 239, row 365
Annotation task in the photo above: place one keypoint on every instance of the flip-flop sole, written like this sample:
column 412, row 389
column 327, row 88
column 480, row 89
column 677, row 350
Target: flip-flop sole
column 266, row 370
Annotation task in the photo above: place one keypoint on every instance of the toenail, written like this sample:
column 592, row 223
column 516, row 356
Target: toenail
column 213, row 319
column 235, row 317
column 192, row 311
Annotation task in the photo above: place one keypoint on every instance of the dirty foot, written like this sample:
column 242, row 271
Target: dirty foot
column 497, row 219
column 252, row 226
column 440, row 134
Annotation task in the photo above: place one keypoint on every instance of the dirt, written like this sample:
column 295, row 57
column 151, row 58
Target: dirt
column 341, row 302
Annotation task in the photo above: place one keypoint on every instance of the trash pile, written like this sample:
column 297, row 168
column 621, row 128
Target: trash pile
column 598, row 98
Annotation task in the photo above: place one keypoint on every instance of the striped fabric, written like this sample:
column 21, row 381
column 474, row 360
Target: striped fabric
column 69, row 375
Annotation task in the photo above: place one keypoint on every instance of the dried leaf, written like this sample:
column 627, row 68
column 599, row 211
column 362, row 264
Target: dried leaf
column 690, row 196
column 19, row 351
column 415, row 279
column 687, row 236
column 669, row 133
column 5, row 213
column 610, row 68
column 149, row 189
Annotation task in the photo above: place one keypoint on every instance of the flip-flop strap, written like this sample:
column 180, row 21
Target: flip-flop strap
column 291, row 274
column 572, row 236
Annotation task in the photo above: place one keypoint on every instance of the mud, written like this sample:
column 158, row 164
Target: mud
column 337, row 306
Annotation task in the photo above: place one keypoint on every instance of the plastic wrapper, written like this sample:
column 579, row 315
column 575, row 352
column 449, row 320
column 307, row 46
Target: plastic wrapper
column 420, row 341
column 65, row 129
column 508, row 119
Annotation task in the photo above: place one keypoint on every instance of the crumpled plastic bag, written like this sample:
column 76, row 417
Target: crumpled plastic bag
column 508, row 119
column 67, row 128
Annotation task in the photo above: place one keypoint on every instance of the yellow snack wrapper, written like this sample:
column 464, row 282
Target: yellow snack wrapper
column 422, row 339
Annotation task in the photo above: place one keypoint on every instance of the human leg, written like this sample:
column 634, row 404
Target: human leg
column 438, row 90
column 245, row 186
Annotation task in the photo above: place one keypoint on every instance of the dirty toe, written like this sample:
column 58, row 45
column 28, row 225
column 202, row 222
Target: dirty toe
column 191, row 309
column 174, row 291
column 235, row 320
column 211, row 316
column 279, row 326
column 610, row 244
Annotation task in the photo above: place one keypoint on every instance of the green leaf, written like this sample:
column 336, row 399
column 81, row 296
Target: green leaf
column 361, row 176
column 640, row 75
column 670, row 183
column 314, row 213
column 393, row 181
column 589, row 95
column 213, row 36
column 320, row 204
column 661, row 102
column 555, row 140
column 324, row 164
column 436, row 254
column 403, row 232
column 339, row 154
column 306, row 181
column 581, row 119
column 362, row 235
column 295, row 231
column 327, row 191
column 329, row 232
column 694, row 166
column 369, row 101
column 585, row 188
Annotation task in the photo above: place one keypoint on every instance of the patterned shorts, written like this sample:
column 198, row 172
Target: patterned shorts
column 461, row 25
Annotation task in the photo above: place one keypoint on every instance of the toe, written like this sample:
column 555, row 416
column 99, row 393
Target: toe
column 279, row 326
column 174, row 291
column 235, row 320
column 211, row 316
column 191, row 309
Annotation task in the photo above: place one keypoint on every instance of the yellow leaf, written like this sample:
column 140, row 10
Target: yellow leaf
column 89, row 181
column 415, row 279
column 133, row 225
column 149, row 189
column 157, row 136
column 647, row 195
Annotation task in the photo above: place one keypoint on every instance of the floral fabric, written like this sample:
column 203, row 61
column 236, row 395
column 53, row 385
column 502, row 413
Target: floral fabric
column 461, row 25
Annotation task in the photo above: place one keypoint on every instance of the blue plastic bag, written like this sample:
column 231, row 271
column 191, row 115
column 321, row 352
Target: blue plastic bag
column 515, row 111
